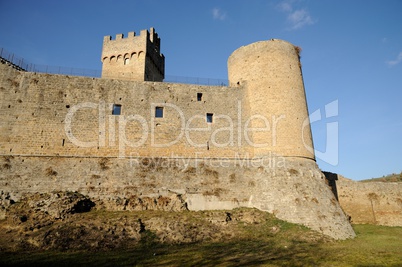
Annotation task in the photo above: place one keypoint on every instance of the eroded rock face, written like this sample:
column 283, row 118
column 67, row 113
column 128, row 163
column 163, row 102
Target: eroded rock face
column 5, row 202
column 38, row 210
column 173, row 202
column 53, row 221
column 29, row 226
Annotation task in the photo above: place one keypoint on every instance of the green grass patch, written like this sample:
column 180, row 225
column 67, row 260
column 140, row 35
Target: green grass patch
column 271, row 242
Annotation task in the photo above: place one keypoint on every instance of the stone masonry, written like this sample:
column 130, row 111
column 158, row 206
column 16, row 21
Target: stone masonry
column 133, row 58
column 371, row 202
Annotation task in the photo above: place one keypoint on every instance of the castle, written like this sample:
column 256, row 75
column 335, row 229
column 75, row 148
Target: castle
column 128, row 134
column 135, row 58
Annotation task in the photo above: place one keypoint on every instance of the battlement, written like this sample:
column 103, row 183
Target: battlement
column 135, row 57
column 150, row 35
column 119, row 36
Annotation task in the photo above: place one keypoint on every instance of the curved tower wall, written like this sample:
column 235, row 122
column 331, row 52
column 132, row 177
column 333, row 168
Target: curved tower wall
column 270, row 72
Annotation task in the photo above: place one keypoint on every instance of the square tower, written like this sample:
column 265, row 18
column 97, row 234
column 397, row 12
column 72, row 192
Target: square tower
column 135, row 58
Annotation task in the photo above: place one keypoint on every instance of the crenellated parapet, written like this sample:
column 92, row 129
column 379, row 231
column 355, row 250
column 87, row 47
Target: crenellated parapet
column 135, row 57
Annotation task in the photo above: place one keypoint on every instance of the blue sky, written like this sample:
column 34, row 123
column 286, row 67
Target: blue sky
column 352, row 53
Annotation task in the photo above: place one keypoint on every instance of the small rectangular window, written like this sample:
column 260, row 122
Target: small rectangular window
column 199, row 96
column 158, row 112
column 116, row 109
column 209, row 117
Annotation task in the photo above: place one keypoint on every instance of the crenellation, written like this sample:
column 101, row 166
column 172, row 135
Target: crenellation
column 131, row 35
column 107, row 38
column 135, row 58
column 155, row 39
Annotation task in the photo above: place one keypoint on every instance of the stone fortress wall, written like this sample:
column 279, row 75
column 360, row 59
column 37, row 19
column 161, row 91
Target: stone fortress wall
column 371, row 202
column 72, row 116
column 248, row 144
column 75, row 114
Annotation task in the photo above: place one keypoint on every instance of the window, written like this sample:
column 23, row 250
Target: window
column 199, row 96
column 158, row 112
column 126, row 61
column 209, row 117
column 116, row 109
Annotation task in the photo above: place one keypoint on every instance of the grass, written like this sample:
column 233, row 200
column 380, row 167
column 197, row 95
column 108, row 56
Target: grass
column 373, row 246
column 387, row 179
column 254, row 245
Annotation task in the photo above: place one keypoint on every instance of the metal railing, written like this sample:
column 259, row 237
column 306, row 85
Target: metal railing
column 195, row 80
column 13, row 60
column 23, row 65
column 64, row 70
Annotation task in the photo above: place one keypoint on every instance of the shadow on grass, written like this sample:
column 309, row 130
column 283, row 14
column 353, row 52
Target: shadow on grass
column 254, row 245
column 239, row 253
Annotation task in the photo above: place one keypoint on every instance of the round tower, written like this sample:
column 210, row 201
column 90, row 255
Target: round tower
column 270, row 73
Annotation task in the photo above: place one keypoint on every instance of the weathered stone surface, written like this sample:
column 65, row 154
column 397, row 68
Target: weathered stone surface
column 371, row 202
column 5, row 202
column 270, row 72
column 170, row 202
column 294, row 191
